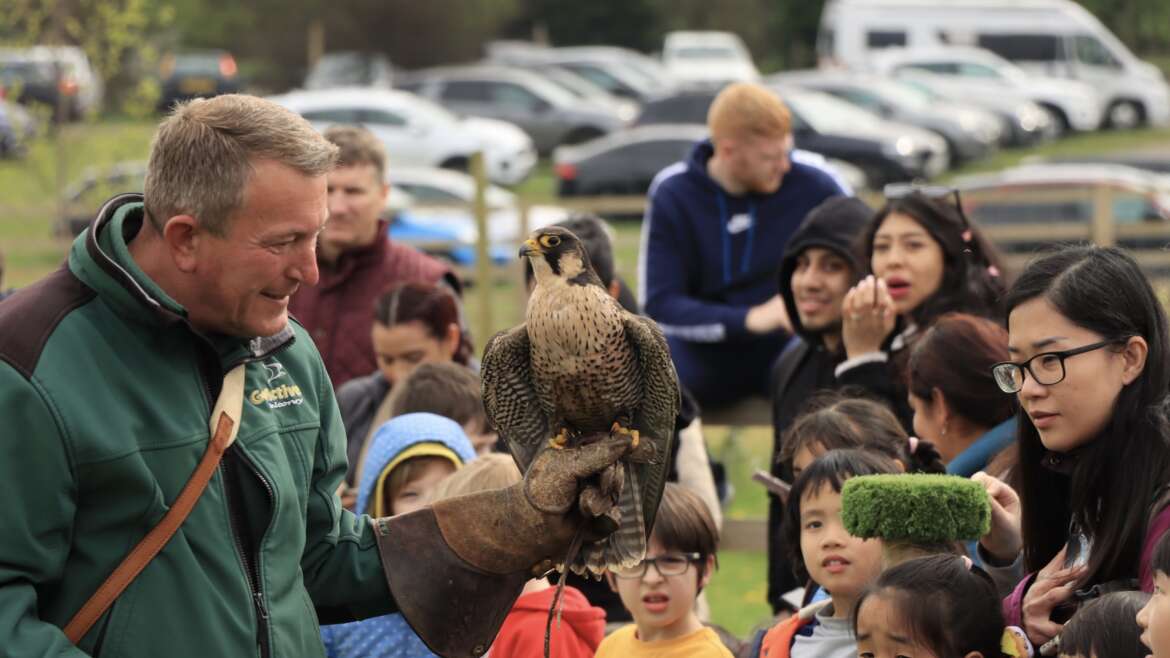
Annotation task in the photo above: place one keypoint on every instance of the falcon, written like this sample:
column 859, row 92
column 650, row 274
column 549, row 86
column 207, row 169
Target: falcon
column 579, row 368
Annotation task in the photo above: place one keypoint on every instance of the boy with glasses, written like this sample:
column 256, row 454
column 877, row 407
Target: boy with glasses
column 660, row 591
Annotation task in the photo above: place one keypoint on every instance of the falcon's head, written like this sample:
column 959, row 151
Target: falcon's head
column 555, row 253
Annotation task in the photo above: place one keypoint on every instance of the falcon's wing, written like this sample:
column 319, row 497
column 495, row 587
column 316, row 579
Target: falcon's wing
column 510, row 398
column 656, row 417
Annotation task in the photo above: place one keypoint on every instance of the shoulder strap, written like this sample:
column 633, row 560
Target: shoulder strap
column 224, row 425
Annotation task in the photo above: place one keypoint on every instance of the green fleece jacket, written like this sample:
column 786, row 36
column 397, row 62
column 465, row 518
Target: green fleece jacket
column 105, row 394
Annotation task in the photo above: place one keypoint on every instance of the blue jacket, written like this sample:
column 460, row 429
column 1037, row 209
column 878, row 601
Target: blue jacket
column 707, row 257
column 389, row 636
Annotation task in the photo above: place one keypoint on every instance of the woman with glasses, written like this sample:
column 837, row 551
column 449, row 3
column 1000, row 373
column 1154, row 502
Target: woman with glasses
column 1088, row 367
column 926, row 259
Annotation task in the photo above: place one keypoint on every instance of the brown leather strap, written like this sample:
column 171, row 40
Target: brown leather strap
column 228, row 409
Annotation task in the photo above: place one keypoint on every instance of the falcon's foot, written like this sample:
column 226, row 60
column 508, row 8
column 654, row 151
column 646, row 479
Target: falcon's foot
column 618, row 428
column 559, row 441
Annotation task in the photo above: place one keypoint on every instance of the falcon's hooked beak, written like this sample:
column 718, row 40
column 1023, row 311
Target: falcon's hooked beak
column 529, row 247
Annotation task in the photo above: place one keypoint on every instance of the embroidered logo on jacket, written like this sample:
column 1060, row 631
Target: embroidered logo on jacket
column 276, row 397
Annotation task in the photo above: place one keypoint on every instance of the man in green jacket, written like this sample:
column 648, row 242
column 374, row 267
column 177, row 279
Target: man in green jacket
column 108, row 371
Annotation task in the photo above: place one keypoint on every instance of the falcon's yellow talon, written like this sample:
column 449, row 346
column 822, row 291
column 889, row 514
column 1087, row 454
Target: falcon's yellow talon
column 634, row 438
column 560, row 440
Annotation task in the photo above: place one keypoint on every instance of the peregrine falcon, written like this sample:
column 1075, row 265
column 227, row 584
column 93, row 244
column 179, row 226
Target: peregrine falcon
column 579, row 367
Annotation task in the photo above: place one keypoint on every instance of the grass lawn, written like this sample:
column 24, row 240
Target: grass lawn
column 28, row 211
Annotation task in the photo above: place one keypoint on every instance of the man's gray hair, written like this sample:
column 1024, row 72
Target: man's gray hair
column 203, row 153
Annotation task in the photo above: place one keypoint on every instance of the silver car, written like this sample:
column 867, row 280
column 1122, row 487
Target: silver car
column 549, row 114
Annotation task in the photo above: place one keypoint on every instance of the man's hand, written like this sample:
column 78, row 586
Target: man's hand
column 768, row 317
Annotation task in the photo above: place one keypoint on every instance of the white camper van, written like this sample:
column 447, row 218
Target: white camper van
column 1049, row 37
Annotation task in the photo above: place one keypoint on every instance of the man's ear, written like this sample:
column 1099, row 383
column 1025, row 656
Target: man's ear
column 182, row 235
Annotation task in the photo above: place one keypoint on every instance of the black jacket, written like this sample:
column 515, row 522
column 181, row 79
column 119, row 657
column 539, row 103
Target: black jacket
column 806, row 366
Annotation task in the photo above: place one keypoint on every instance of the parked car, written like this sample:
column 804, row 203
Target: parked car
column 584, row 89
column 549, row 114
column 348, row 68
column 418, row 132
column 708, row 57
column 451, row 194
column 1048, row 37
column 626, row 162
column 884, row 150
column 970, row 133
column 1056, row 195
column 55, row 76
column 620, row 71
column 197, row 74
column 1075, row 105
column 1024, row 122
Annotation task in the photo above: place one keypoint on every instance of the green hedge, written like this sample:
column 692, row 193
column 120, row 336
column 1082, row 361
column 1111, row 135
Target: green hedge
column 917, row 508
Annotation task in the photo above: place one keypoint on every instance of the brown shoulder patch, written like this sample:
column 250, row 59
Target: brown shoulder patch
column 30, row 315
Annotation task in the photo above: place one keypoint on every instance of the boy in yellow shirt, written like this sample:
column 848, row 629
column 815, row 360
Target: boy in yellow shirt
column 660, row 591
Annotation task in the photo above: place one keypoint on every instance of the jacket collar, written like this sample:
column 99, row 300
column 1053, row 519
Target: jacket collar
column 100, row 257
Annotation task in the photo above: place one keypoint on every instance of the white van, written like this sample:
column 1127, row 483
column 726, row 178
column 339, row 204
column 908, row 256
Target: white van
column 1049, row 37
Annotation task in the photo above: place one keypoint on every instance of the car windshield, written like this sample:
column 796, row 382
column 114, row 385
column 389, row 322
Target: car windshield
column 549, row 91
column 207, row 64
column 705, row 52
column 902, row 95
column 419, row 105
column 828, row 115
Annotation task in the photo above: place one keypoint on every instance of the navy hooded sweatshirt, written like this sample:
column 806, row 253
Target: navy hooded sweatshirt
column 707, row 257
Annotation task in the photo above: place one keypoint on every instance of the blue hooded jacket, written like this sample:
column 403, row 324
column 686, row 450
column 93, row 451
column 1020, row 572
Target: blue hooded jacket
column 707, row 257
column 390, row 636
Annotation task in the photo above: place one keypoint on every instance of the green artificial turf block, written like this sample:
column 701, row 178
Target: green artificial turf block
column 915, row 508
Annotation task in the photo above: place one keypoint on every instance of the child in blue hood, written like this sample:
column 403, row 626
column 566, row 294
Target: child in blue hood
column 409, row 455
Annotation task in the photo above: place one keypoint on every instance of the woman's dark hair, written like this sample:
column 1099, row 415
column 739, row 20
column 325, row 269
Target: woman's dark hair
column 1161, row 559
column 431, row 305
column 1106, row 627
column 830, row 469
column 1113, row 480
column 972, row 269
column 955, row 356
column 946, row 606
column 837, row 420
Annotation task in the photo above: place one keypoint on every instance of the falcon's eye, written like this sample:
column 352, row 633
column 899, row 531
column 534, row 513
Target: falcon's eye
column 550, row 240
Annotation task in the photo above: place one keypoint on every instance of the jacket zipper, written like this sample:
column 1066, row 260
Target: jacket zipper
column 251, row 566
column 250, row 562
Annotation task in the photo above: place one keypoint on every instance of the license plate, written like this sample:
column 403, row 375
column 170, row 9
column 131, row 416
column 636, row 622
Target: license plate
column 197, row 85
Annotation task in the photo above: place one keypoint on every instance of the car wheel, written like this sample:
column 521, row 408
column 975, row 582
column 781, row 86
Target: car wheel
column 458, row 163
column 1125, row 115
column 1060, row 121
column 583, row 134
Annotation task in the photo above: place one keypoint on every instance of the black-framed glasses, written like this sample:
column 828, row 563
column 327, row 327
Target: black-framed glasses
column 902, row 190
column 671, row 564
column 1047, row 368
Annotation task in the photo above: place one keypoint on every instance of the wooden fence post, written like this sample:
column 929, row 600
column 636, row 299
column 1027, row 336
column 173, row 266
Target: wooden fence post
column 483, row 262
column 1102, row 230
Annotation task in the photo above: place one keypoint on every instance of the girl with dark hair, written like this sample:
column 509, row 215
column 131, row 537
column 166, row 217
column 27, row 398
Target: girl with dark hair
column 837, row 420
column 1106, row 628
column 1154, row 618
column 1088, row 345
column 938, row 606
column 414, row 323
column 926, row 260
column 957, row 405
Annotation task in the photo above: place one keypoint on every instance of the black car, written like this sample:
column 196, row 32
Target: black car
column 886, row 152
column 199, row 74
column 623, row 162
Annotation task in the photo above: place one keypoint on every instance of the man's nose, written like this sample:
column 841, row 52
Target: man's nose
column 304, row 270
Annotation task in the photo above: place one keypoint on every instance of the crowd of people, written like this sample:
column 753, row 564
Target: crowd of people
column 356, row 501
